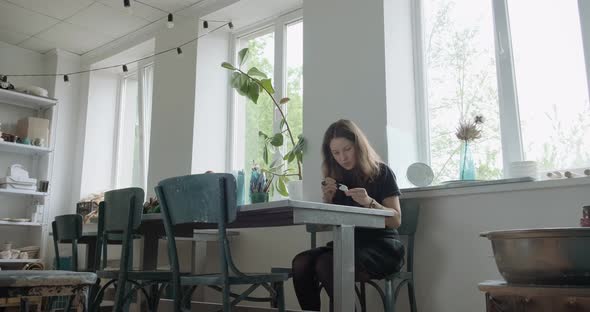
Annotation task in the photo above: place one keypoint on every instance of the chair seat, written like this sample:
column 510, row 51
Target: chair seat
column 217, row 279
column 35, row 278
column 137, row 275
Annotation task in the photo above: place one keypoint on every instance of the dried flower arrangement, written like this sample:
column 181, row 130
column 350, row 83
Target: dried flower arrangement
column 469, row 130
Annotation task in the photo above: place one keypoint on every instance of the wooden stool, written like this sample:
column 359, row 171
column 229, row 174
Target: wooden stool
column 504, row 297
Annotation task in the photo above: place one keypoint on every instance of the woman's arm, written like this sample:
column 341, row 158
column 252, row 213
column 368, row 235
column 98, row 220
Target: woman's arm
column 390, row 203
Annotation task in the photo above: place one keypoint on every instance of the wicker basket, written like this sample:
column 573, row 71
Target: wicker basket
column 32, row 251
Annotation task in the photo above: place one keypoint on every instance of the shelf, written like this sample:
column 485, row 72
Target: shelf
column 22, row 192
column 25, row 100
column 12, row 223
column 19, row 260
column 12, row 147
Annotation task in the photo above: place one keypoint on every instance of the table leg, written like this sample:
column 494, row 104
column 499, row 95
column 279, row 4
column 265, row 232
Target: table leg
column 150, row 251
column 344, row 268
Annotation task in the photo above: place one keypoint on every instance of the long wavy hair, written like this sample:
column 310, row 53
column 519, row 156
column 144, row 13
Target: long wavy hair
column 367, row 160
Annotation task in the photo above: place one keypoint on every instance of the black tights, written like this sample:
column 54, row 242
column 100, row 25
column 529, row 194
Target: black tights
column 312, row 268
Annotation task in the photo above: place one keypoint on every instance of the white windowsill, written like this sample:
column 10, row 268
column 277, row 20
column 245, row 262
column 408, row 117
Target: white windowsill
column 456, row 190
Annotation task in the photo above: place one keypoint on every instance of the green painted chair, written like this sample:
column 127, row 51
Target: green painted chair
column 209, row 198
column 410, row 212
column 119, row 219
column 67, row 229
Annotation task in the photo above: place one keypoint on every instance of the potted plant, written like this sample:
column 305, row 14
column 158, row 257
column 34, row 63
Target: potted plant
column 251, row 83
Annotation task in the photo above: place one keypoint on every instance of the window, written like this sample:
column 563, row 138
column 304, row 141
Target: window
column 552, row 95
column 519, row 67
column 276, row 50
column 134, row 111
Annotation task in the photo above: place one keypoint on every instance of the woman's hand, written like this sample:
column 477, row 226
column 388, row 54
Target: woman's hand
column 328, row 189
column 360, row 196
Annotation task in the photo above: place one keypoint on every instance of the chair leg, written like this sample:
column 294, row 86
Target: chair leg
column 24, row 305
column 412, row 295
column 363, row 297
column 226, row 298
column 389, row 304
column 280, row 297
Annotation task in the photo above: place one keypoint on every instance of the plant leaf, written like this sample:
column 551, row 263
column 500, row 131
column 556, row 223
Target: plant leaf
column 253, row 91
column 228, row 66
column 262, row 134
column 292, row 157
column 300, row 156
column 283, row 121
column 277, row 140
column 254, row 72
column 284, row 100
column 267, row 85
column 243, row 56
column 281, row 187
column 287, row 155
column 265, row 154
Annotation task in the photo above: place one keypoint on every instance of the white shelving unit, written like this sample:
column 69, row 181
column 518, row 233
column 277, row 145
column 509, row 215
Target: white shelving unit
column 38, row 161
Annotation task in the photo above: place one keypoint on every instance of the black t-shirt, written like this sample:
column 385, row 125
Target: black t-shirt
column 383, row 186
column 377, row 251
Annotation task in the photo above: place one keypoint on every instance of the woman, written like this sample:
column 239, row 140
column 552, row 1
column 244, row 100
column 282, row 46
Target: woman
column 355, row 176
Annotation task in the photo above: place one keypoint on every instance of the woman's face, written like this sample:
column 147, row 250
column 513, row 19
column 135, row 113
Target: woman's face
column 343, row 152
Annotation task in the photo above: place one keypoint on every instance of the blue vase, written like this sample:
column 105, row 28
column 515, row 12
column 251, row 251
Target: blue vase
column 467, row 165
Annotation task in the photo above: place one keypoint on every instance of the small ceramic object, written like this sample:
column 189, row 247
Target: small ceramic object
column 23, row 255
column 342, row 187
column 5, row 254
column 7, row 246
column 420, row 174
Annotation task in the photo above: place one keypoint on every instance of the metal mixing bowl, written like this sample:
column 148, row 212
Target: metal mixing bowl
column 542, row 256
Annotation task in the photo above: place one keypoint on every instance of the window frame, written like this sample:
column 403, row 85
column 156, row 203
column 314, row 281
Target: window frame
column 144, row 126
column 278, row 25
column 511, row 137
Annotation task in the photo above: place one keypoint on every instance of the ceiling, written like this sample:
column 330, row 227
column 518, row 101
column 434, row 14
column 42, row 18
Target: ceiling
column 80, row 26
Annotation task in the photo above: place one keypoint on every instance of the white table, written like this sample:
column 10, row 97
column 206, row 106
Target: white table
column 286, row 213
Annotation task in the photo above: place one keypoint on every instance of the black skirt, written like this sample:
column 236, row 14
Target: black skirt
column 377, row 252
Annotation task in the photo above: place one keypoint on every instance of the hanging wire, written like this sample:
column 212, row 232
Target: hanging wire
column 178, row 50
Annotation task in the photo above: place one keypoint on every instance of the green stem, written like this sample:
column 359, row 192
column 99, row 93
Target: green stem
column 278, row 106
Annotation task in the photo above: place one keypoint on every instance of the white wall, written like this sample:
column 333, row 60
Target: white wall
column 100, row 133
column 344, row 69
column 171, row 142
column 401, row 104
column 450, row 256
column 584, row 7
column 16, row 60
column 58, row 61
column 211, row 119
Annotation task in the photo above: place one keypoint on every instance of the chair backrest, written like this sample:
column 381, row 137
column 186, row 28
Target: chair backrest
column 119, row 217
column 67, row 228
column 206, row 198
column 410, row 212
column 119, row 206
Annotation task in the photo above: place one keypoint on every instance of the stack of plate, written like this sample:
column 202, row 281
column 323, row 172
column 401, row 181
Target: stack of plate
column 519, row 169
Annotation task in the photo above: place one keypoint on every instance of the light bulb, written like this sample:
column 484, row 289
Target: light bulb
column 170, row 23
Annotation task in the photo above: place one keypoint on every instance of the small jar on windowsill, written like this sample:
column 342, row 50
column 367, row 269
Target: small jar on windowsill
column 258, row 197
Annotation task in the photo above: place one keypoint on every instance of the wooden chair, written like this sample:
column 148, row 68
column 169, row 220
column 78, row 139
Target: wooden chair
column 209, row 198
column 119, row 219
column 410, row 212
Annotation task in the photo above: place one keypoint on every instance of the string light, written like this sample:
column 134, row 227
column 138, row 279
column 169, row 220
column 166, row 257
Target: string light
column 231, row 25
column 170, row 23
column 205, row 24
column 127, row 4
column 125, row 68
column 66, row 77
